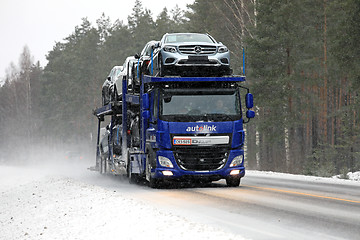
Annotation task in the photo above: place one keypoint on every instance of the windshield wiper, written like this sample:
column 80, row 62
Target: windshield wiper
column 213, row 117
column 181, row 118
column 218, row 117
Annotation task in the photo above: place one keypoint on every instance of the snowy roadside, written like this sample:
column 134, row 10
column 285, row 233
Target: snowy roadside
column 354, row 178
column 58, row 202
column 35, row 205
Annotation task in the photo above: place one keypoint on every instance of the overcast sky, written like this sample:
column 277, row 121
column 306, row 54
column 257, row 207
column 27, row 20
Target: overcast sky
column 40, row 23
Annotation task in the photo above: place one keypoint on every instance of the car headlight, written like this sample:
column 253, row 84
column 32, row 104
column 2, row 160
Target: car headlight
column 237, row 161
column 223, row 49
column 165, row 162
column 171, row 49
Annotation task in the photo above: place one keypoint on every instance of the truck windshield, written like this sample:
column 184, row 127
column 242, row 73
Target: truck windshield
column 200, row 105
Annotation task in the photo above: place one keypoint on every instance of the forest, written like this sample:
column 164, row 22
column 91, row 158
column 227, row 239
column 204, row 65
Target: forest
column 302, row 66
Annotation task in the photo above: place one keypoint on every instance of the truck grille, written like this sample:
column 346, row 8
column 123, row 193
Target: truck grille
column 201, row 159
column 196, row 49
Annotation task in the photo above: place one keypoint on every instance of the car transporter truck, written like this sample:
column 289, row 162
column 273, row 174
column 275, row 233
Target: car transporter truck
column 176, row 129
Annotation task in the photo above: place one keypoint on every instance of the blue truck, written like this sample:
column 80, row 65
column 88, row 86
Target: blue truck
column 176, row 129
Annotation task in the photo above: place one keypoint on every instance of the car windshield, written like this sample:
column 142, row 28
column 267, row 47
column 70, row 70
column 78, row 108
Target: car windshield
column 190, row 37
column 200, row 105
column 118, row 71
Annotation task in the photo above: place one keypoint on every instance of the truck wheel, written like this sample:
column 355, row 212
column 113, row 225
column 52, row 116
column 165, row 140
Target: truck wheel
column 97, row 163
column 133, row 178
column 102, row 165
column 233, row 181
column 153, row 182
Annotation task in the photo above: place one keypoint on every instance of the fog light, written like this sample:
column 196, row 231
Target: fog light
column 167, row 173
column 224, row 60
column 169, row 60
column 235, row 172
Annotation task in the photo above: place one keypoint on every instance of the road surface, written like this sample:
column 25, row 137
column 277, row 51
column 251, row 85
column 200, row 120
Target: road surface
column 268, row 207
column 70, row 202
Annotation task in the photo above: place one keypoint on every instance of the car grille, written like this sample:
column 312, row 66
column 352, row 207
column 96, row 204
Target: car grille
column 197, row 49
column 201, row 159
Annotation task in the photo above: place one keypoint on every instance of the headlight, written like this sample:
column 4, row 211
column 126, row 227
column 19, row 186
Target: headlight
column 223, row 49
column 237, row 161
column 165, row 162
column 171, row 49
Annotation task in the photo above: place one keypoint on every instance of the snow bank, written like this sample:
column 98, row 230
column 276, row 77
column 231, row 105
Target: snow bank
column 35, row 205
column 354, row 178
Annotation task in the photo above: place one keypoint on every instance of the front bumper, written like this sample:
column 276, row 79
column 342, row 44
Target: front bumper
column 177, row 173
column 177, row 59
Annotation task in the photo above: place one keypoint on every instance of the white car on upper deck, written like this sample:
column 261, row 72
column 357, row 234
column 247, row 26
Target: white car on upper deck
column 191, row 54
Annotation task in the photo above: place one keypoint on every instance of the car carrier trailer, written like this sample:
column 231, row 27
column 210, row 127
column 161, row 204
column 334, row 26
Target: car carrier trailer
column 177, row 129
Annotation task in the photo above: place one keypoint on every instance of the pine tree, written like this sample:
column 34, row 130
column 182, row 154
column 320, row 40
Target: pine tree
column 141, row 26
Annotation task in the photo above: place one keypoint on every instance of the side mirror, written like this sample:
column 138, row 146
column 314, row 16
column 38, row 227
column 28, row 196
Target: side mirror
column 145, row 101
column 249, row 100
column 109, row 78
column 250, row 114
column 137, row 56
column 156, row 45
column 146, row 115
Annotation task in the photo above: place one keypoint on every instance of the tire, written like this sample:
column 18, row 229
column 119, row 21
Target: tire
column 233, row 181
column 111, row 95
column 103, row 100
column 102, row 166
column 161, row 67
column 114, row 96
column 133, row 178
column 97, row 163
column 153, row 182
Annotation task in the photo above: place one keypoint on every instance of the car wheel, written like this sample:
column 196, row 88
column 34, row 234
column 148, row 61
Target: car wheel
column 113, row 95
column 103, row 100
column 161, row 67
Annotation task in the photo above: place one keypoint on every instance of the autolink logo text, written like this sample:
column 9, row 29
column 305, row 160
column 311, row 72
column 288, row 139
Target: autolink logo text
column 203, row 128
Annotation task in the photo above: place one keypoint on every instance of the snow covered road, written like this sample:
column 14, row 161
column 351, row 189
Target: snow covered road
column 69, row 202
column 42, row 204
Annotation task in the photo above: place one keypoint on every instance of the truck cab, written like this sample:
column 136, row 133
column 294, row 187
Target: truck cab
column 192, row 129
column 178, row 129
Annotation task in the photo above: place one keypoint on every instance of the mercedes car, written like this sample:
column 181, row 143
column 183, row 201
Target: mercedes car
column 128, row 73
column 107, row 88
column 191, row 54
